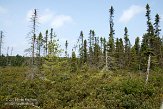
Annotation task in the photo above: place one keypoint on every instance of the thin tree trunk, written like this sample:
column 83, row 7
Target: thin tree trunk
column 34, row 35
column 148, row 68
column 1, row 43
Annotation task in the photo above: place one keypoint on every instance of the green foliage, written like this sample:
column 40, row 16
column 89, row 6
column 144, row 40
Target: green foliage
column 12, row 60
column 73, row 63
column 77, row 82
column 85, row 89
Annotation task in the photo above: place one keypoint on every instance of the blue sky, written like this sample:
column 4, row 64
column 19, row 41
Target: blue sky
column 69, row 17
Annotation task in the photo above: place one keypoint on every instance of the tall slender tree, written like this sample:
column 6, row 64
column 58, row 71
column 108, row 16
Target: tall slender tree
column 39, row 41
column 96, row 51
column 46, row 42
column 52, row 44
column 135, row 55
column 34, row 19
column 66, row 46
column 112, row 31
column 1, row 41
column 85, row 51
column 127, row 47
column 90, row 48
column 73, row 62
column 150, row 44
column 81, row 48
column 137, row 45
column 158, row 44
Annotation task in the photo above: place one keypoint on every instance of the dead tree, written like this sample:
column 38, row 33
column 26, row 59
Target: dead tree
column 1, row 36
column 34, row 19
column 148, row 68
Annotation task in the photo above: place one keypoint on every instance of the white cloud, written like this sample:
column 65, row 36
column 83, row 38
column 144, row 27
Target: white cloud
column 29, row 14
column 46, row 16
column 50, row 18
column 3, row 10
column 130, row 13
column 59, row 20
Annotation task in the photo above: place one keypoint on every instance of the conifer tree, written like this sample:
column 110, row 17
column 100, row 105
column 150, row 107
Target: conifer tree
column 1, row 40
column 135, row 55
column 90, row 48
column 51, row 64
column 46, row 43
column 111, row 34
column 121, row 53
column 39, row 40
column 157, row 25
column 96, row 51
column 73, row 62
column 52, row 44
column 85, row 51
column 137, row 45
column 158, row 44
column 104, row 47
column 81, row 47
column 150, row 40
column 66, row 46
column 127, row 47
column 34, row 19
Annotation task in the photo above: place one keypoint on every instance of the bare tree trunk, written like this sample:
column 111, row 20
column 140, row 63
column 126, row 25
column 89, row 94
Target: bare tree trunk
column 106, row 60
column 1, row 43
column 33, row 49
column 34, row 18
column 148, row 68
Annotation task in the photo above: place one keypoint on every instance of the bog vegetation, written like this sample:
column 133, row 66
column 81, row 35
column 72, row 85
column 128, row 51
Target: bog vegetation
column 101, row 73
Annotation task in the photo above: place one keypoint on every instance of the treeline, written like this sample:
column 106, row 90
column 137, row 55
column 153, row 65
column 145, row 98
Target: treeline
column 99, row 52
column 119, row 53
column 13, row 60
column 109, row 53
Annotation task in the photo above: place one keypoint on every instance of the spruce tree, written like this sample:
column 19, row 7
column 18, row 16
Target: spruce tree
column 96, row 51
column 111, row 45
column 135, row 55
column 46, row 43
column 73, row 62
column 90, row 48
column 1, row 41
column 127, row 47
column 81, row 47
column 39, row 41
column 157, row 25
column 137, row 45
column 66, row 46
column 117, row 49
column 158, row 44
column 34, row 19
column 121, row 54
column 85, row 51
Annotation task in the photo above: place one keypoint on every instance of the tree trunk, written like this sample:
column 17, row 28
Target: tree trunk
column 148, row 68
column 106, row 60
column 1, row 43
